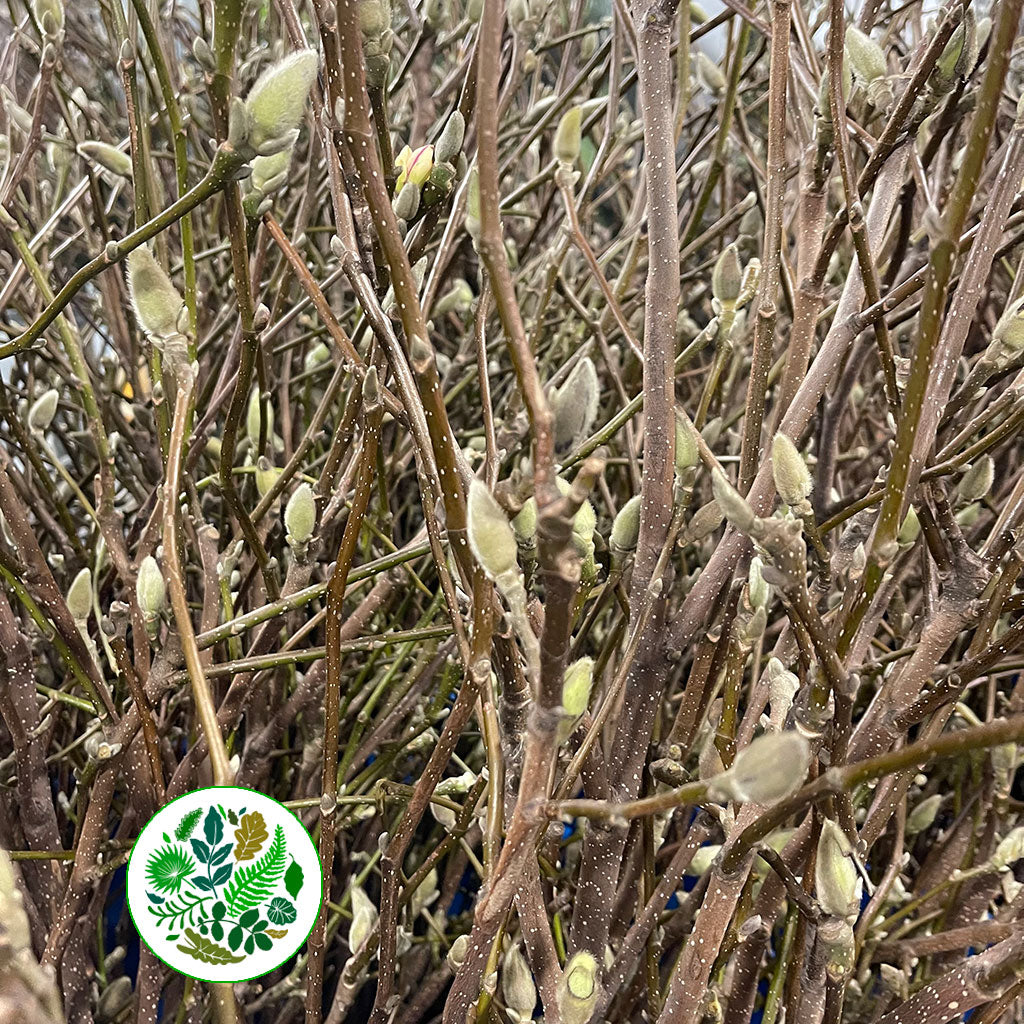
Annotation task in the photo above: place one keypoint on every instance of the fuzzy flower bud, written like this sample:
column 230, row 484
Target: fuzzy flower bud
column 575, row 404
column 157, row 303
column 867, row 60
column 578, row 988
column 727, row 277
column 911, row 528
column 836, row 881
column 473, row 226
column 687, row 452
column 252, row 417
column 50, row 15
column 576, row 686
column 490, row 535
column 792, row 477
column 407, row 202
column 275, row 103
column 957, row 59
column 1009, row 331
column 1010, row 849
column 42, row 410
column 457, row 953
column 269, row 173
column 300, row 515
column 79, row 596
column 517, row 984
column 626, row 527
column 977, row 481
column 524, row 525
column 364, row 917
column 266, row 475
column 731, row 503
column 922, row 816
column 758, row 591
column 449, row 142
column 414, row 166
column 710, row 73
column 568, row 138
column 768, row 770
column 110, row 158
column 150, row 590
column 782, row 689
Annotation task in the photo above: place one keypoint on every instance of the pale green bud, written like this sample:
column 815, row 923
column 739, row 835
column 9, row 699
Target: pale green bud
column 252, row 418
column 771, row 768
column 703, row 859
column 490, row 535
column 911, row 528
column 374, row 17
column 300, row 515
column 276, row 102
column 449, row 142
column 575, row 403
column 79, row 596
column 710, row 74
column 157, row 303
column 407, row 203
column 792, row 477
column 269, row 173
column 473, row 205
column 731, row 503
column 836, row 881
column 150, row 590
column 110, row 158
column 958, row 58
column 583, row 525
column 576, row 686
column 51, row 11
column 525, row 523
column 727, row 277
column 364, row 917
column 457, row 954
column 266, row 475
column 968, row 515
column 42, row 410
column 782, row 688
column 458, row 299
column 866, row 57
column 517, row 984
column 578, row 988
column 626, row 527
column 1010, row 849
column 568, row 138
column 21, row 118
column 758, row 591
column 687, row 452
column 707, row 519
column 977, row 481
column 1009, row 330
column 425, row 894
column 922, row 816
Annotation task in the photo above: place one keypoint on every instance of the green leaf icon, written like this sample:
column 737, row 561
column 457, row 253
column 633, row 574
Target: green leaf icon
column 208, row 951
column 254, row 883
column 188, row 824
column 168, row 867
column 213, row 827
column 293, row 879
column 281, row 911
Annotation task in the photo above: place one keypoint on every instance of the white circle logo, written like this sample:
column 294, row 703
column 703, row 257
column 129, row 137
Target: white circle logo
column 224, row 884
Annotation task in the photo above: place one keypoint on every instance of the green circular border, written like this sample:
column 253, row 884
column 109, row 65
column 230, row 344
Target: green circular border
column 219, row 981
